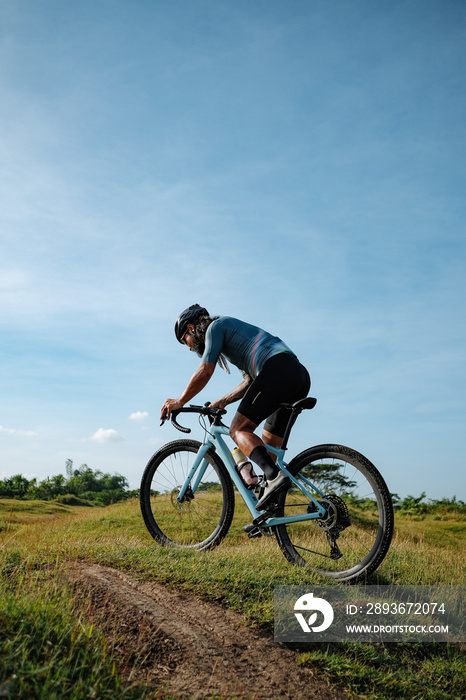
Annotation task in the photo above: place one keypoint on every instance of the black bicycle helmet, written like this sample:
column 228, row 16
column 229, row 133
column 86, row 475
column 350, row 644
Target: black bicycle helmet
column 189, row 315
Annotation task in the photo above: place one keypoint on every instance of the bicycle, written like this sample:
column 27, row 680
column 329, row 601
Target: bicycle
column 336, row 516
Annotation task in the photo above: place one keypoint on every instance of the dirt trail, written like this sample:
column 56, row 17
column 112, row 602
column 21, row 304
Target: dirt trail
column 196, row 649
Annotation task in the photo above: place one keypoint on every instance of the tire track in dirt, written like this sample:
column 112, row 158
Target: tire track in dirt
column 172, row 639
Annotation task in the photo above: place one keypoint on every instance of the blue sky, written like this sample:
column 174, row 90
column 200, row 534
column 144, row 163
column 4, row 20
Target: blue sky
column 298, row 164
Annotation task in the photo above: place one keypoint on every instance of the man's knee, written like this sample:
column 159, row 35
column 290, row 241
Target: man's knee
column 241, row 424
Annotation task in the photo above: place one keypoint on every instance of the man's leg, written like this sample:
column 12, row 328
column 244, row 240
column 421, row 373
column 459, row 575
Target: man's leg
column 242, row 432
column 271, row 439
column 282, row 379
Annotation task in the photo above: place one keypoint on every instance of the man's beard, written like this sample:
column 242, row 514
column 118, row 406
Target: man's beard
column 198, row 344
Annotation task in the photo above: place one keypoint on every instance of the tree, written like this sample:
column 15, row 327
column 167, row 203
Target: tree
column 14, row 487
column 85, row 483
column 327, row 478
column 69, row 468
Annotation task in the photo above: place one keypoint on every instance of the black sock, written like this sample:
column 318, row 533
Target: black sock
column 261, row 457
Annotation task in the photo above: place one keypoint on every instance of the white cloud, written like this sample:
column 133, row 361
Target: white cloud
column 109, row 435
column 139, row 416
column 13, row 431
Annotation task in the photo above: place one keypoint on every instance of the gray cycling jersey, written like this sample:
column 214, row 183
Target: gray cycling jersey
column 246, row 346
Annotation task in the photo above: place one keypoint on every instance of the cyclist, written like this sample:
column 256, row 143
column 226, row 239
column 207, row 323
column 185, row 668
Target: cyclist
column 272, row 374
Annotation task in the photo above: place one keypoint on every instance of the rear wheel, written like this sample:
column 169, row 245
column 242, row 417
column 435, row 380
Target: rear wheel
column 350, row 542
column 203, row 518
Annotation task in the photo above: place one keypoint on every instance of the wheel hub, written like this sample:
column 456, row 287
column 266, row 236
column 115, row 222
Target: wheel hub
column 336, row 518
column 185, row 503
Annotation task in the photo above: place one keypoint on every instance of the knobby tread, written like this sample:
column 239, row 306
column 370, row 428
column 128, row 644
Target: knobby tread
column 333, row 451
column 145, row 499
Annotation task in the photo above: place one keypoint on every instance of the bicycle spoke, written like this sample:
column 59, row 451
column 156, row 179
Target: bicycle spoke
column 354, row 535
column 201, row 519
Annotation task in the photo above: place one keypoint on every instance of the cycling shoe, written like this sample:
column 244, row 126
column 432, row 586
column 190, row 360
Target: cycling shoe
column 271, row 488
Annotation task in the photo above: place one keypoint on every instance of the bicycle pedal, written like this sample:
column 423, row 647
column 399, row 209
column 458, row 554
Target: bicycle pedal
column 252, row 530
column 269, row 513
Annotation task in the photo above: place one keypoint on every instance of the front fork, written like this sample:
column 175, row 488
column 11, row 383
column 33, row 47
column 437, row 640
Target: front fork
column 187, row 491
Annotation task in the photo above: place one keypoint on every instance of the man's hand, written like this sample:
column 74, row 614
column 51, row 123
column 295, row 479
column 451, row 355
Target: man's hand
column 169, row 406
column 218, row 404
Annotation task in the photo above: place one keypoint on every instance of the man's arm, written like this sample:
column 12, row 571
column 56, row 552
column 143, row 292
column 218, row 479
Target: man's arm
column 234, row 395
column 196, row 384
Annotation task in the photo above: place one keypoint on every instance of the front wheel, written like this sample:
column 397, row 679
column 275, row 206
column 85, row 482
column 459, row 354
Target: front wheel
column 350, row 542
column 202, row 519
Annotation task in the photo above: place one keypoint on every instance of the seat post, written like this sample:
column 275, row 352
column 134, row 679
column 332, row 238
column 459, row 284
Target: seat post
column 295, row 408
column 291, row 421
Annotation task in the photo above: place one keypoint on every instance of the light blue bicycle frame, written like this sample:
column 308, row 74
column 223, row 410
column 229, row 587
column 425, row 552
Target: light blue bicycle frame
column 215, row 441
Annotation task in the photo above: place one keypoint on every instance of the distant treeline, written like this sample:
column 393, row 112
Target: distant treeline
column 412, row 505
column 85, row 485
column 79, row 485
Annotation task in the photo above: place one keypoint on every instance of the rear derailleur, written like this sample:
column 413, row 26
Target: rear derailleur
column 335, row 520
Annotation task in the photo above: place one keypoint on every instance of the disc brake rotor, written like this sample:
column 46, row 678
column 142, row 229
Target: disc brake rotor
column 181, row 505
column 336, row 518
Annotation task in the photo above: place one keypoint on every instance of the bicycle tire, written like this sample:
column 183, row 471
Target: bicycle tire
column 355, row 491
column 203, row 520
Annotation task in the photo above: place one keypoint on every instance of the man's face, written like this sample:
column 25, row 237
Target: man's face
column 195, row 342
column 189, row 338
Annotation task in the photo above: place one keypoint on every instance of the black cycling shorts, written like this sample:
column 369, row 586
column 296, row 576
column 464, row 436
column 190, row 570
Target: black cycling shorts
column 283, row 379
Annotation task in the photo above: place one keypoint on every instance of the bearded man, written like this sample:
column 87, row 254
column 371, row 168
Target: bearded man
column 272, row 375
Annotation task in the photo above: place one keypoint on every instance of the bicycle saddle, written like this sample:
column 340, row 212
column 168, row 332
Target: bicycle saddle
column 302, row 404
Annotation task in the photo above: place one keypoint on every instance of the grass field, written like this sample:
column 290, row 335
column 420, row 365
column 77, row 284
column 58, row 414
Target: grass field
column 49, row 650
